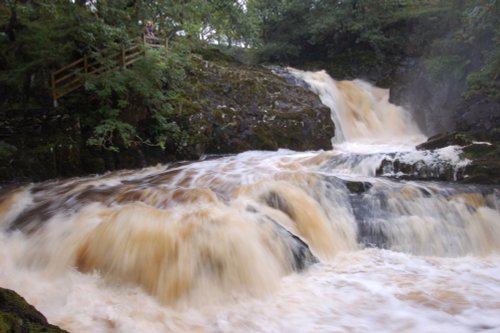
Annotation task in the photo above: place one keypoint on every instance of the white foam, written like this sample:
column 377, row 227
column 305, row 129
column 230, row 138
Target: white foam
column 364, row 291
column 367, row 290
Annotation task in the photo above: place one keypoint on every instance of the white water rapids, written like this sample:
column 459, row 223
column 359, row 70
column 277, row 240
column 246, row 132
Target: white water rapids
column 264, row 241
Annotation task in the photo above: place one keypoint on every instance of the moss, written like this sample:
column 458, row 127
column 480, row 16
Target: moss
column 218, row 114
column 16, row 315
column 214, row 54
column 7, row 156
column 291, row 116
column 475, row 151
column 248, row 107
column 7, row 152
column 185, row 106
column 93, row 164
column 483, row 172
column 264, row 138
column 446, row 139
column 44, row 164
column 358, row 187
column 221, row 115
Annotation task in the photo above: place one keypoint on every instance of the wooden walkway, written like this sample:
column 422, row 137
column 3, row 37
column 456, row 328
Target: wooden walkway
column 73, row 76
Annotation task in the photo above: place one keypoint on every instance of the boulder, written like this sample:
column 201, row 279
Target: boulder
column 233, row 107
column 446, row 139
column 16, row 315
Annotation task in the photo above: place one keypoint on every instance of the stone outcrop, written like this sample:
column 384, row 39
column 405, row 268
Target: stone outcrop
column 481, row 151
column 234, row 107
column 16, row 315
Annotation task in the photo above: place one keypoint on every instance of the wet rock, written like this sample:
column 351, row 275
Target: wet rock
column 16, row 315
column 478, row 114
column 232, row 107
column 484, row 167
column 446, row 139
column 292, row 79
column 38, row 144
column 480, row 149
column 418, row 170
column 477, row 150
column 482, row 172
column 431, row 101
column 358, row 187
column 299, row 252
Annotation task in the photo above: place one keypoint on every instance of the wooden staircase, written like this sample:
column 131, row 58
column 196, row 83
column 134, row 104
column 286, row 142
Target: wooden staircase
column 72, row 76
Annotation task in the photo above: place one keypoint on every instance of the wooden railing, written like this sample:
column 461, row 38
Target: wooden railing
column 73, row 76
column 155, row 41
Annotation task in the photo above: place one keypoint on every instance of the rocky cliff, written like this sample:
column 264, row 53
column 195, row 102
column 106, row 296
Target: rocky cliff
column 226, row 107
column 16, row 315
column 233, row 107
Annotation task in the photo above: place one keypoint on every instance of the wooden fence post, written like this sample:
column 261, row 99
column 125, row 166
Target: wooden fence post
column 53, row 86
column 123, row 57
column 86, row 64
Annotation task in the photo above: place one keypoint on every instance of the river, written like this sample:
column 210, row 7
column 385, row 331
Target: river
column 284, row 241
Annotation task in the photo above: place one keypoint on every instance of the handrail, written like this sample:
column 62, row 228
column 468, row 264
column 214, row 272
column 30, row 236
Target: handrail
column 69, row 78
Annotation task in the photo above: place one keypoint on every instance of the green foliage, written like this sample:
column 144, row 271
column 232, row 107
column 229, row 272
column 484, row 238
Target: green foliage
column 222, row 21
column 299, row 31
column 447, row 66
column 16, row 315
column 482, row 31
column 487, row 80
column 128, row 96
column 124, row 108
column 471, row 51
column 144, row 103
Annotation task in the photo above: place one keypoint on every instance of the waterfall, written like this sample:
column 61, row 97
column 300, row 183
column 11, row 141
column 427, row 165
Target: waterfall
column 251, row 242
column 362, row 112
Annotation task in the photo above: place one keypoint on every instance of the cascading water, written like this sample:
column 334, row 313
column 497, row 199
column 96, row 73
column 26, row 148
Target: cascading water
column 362, row 112
column 264, row 241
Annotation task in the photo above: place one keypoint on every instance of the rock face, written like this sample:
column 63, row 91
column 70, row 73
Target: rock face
column 481, row 149
column 432, row 102
column 446, row 139
column 439, row 105
column 38, row 144
column 228, row 107
column 478, row 114
column 16, row 315
column 235, row 107
column 485, row 159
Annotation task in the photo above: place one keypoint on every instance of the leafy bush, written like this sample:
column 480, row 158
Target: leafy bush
column 132, row 96
column 487, row 80
column 444, row 66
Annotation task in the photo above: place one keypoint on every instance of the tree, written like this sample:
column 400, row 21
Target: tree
column 294, row 31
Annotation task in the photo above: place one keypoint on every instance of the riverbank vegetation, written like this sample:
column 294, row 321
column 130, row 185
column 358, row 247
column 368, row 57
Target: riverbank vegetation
column 139, row 110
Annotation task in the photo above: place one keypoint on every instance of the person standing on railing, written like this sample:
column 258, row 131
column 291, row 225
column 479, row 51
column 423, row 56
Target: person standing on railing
column 149, row 29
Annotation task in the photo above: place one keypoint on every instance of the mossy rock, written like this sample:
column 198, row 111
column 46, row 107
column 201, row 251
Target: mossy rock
column 250, row 108
column 44, row 163
column 7, row 152
column 481, row 150
column 483, row 171
column 17, row 316
column 214, row 54
column 418, row 170
column 358, row 187
column 7, row 157
column 446, row 139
